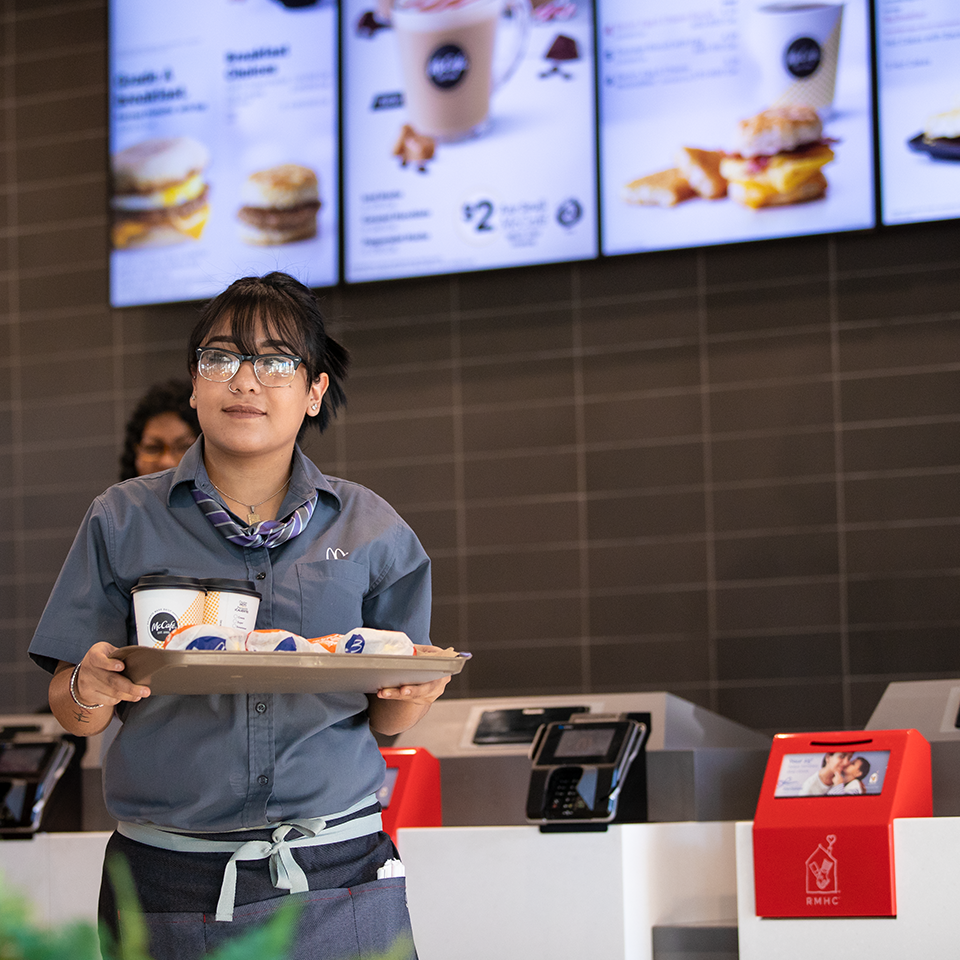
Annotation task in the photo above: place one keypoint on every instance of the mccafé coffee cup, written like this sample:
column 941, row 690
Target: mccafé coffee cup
column 447, row 60
column 230, row 603
column 161, row 604
column 797, row 46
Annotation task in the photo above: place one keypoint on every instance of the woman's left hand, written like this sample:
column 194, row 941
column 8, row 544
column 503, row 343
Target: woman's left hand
column 422, row 694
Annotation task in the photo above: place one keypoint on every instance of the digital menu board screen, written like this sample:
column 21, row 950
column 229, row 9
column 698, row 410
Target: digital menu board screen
column 918, row 50
column 855, row 773
column 733, row 120
column 469, row 135
column 223, row 144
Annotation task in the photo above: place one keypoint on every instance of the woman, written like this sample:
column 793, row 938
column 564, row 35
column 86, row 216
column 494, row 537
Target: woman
column 162, row 427
column 326, row 555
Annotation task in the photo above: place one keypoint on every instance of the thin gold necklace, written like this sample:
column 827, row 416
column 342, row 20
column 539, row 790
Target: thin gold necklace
column 252, row 515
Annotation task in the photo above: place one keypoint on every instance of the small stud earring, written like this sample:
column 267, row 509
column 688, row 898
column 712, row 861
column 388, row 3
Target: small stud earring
column 314, row 407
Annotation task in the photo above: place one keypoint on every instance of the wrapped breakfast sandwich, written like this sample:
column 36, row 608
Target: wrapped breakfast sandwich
column 205, row 636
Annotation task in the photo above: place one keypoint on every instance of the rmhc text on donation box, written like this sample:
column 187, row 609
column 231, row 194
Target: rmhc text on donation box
column 823, row 830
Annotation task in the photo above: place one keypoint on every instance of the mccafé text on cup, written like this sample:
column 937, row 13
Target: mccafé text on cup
column 163, row 603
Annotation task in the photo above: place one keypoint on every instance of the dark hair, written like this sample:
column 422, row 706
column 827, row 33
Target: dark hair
column 291, row 314
column 864, row 766
column 827, row 756
column 171, row 396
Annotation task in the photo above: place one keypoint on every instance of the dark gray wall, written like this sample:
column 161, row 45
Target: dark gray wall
column 729, row 473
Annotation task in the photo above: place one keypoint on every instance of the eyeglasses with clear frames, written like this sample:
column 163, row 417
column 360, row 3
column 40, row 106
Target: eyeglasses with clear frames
column 271, row 369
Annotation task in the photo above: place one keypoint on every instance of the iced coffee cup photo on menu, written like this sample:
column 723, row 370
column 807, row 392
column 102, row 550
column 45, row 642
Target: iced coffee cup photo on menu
column 796, row 46
column 454, row 55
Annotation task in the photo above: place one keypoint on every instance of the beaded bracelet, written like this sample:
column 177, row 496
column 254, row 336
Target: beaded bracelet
column 73, row 692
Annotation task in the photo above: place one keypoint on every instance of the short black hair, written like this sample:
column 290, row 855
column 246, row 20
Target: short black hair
column 170, row 396
column 291, row 313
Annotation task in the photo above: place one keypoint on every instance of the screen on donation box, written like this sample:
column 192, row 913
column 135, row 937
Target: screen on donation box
column 835, row 774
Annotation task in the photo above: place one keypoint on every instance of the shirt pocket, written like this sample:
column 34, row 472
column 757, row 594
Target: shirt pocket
column 331, row 596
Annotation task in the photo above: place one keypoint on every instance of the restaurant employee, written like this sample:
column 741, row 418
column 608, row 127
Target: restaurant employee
column 228, row 805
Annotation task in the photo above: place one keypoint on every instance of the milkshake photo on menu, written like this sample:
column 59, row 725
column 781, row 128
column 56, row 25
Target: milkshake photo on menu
column 446, row 58
column 468, row 135
column 724, row 122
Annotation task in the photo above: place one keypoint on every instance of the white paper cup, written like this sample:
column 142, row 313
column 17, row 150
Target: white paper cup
column 163, row 603
column 796, row 45
column 230, row 603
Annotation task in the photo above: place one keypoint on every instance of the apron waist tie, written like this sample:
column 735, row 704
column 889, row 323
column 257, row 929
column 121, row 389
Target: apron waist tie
column 285, row 872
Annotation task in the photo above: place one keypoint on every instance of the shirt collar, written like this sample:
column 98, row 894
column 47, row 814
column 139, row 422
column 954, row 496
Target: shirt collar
column 305, row 480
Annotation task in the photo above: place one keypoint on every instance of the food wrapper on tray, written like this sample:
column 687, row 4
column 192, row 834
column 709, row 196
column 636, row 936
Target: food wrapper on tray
column 357, row 641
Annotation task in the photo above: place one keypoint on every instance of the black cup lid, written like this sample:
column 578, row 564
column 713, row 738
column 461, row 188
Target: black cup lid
column 229, row 586
column 167, row 582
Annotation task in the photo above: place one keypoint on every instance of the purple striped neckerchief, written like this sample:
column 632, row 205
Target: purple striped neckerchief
column 266, row 533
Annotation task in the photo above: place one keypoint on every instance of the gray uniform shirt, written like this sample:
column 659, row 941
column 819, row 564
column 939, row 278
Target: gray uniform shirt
column 226, row 762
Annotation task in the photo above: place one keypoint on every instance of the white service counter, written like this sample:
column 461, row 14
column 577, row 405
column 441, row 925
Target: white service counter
column 517, row 894
column 927, row 924
column 58, row 873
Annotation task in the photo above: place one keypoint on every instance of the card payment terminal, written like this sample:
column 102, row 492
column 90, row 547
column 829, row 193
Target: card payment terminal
column 581, row 772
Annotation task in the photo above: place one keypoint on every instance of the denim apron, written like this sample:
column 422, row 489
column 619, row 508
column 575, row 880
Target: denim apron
column 196, row 895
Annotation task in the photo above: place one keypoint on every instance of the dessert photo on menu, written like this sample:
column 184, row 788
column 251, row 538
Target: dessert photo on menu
column 730, row 120
column 223, row 148
column 468, row 135
column 918, row 88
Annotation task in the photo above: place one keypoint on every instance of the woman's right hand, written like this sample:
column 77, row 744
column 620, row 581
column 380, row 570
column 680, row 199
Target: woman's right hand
column 99, row 686
column 100, row 678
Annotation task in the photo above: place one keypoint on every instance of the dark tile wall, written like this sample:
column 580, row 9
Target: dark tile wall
column 729, row 473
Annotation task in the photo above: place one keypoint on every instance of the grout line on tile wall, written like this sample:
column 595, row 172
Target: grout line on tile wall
column 583, row 525
column 459, row 479
column 708, row 489
column 16, row 518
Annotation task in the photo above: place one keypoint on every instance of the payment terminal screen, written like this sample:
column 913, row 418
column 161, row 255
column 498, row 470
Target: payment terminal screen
column 584, row 742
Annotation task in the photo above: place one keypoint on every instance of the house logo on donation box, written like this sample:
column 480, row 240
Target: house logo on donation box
column 821, row 870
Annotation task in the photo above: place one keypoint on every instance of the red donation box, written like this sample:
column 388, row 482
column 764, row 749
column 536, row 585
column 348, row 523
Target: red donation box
column 823, row 831
column 410, row 795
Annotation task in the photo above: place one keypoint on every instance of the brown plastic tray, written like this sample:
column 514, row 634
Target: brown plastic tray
column 205, row 671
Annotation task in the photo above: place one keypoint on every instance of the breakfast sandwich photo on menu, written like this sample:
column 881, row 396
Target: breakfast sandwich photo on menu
column 777, row 160
column 279, row 205
column 159, row 193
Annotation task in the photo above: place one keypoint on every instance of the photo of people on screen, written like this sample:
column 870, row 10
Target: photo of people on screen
column 834, row 774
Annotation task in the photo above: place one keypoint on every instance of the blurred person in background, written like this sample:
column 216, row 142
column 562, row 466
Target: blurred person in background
column 162, row 427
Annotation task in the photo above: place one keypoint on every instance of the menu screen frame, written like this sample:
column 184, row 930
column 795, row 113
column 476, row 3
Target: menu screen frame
column 224, row 147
